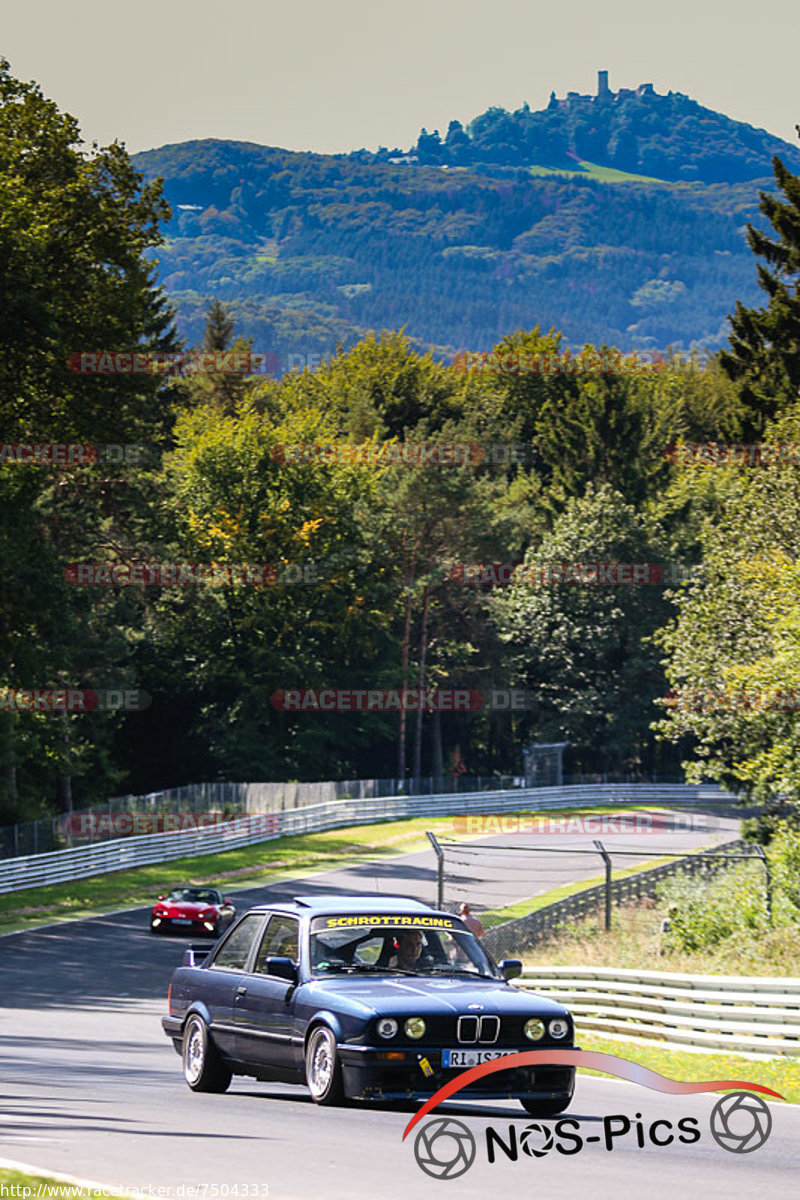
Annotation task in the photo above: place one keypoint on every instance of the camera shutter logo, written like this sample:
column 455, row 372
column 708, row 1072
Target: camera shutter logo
column 536, row 1140
column 444, row 1148
column 740, row 1122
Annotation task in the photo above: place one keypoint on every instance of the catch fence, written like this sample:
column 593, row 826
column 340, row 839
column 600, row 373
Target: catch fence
column 514, row 937
column 120, row 853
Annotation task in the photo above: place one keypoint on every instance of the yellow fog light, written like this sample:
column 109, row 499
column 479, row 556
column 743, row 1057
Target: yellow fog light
column 534, row 1029
column 414, row 1027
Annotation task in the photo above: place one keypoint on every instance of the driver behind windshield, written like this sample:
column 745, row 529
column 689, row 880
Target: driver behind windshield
column 409, row 949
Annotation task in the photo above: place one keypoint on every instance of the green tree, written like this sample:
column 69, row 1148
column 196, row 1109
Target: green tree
column 74, row 279
column 582, row 650
column 733, row 649
column 764, row 354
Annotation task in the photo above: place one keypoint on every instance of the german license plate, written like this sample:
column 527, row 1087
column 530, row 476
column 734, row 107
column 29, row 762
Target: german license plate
column 181, row 921
column 471, row 1058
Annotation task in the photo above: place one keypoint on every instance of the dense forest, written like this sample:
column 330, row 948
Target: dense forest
column 637, row 131
column 618, row 219
column 365, row 548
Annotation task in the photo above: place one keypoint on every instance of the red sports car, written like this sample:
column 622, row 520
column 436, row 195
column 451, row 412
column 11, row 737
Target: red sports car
column 192, row 910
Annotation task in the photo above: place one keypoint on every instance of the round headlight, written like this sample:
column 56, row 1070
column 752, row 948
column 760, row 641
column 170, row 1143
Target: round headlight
column 414, row 1027
column 387, row 1027
column 558, row 1028
column 534, row 1029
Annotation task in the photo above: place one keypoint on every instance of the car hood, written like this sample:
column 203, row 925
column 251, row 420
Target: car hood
column 188, row 908
column 406, row 994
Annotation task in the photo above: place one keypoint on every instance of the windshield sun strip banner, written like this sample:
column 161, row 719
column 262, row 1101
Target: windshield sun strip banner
column 383, row 921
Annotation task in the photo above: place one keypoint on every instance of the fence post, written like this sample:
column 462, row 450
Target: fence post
column 600, row 848
column 439, row 852
column 768, row 873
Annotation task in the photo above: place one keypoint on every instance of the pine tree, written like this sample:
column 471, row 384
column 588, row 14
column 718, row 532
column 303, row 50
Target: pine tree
column 764, row 354
column 218, row 333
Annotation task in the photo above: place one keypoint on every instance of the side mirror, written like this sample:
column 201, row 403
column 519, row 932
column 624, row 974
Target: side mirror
column 510, row 968
column 284, row 968
column 162, row 897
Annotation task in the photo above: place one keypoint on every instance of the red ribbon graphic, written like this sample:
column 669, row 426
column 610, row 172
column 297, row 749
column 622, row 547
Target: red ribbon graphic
column 593, row 1059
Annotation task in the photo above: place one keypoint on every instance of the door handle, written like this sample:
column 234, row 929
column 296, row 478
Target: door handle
column 241, row 991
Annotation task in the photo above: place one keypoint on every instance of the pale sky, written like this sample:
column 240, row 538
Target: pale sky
column 336, row 75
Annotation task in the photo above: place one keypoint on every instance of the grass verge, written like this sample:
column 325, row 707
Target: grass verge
column 780, row 1073
column 634, row 941
column 279, row 858
column 22, row 1186
column 523, row 908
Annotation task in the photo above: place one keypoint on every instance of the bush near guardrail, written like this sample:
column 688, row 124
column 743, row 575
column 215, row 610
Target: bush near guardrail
column 120, row 854
column 716, row 1012
column 514, row 937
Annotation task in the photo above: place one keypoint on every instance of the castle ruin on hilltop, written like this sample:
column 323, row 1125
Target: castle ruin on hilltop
column 604, row 93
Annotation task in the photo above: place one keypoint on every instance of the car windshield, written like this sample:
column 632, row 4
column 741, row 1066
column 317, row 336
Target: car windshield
column 194, row 896
column 415, row 945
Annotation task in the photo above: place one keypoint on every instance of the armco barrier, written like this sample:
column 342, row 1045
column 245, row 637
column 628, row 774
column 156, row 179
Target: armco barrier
column 754, row 1015
column 99, row 858
column 514, row 937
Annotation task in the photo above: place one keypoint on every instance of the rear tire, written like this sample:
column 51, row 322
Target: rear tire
column 323, row 1069
column 546, row 1108
column 203, row 1069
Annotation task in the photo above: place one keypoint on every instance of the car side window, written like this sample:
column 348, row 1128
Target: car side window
column 235, row 950
column 280, row 940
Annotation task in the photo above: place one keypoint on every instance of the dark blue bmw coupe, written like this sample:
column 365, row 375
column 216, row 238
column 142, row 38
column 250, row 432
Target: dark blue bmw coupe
column 367, row 998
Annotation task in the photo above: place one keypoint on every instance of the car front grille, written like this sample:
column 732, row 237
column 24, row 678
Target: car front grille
column 481, row 1030
column 467, row 1030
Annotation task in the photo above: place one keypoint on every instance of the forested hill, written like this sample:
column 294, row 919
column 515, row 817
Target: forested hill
column 309, row 250
column 634, row 130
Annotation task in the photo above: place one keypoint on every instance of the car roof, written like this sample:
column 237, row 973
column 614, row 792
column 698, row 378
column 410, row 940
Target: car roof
column 316, row 905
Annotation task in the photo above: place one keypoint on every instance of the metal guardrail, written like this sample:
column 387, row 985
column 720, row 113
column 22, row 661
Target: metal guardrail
column 38, row 870
column 716, row 1012
column 514, row 937
column 125, row 816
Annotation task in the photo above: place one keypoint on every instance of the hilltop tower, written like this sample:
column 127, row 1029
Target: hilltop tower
column 602, row 85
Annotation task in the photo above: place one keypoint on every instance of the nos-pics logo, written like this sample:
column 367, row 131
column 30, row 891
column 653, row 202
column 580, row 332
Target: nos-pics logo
column 445, row 1148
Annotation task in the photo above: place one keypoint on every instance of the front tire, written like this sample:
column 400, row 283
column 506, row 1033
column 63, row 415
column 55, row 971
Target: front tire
column 546, row 1108
column 203, row 1069
column 323, row 1069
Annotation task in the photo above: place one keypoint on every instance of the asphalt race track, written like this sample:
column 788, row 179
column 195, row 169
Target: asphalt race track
column 89, row 1086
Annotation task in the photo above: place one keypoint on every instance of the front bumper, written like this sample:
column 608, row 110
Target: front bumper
column 369, row 1074
column 193, row 928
